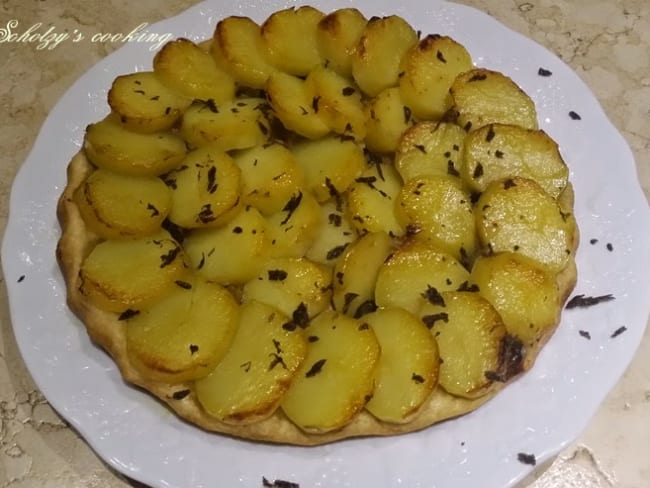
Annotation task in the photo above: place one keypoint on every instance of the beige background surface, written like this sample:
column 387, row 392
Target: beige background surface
column 607, row 42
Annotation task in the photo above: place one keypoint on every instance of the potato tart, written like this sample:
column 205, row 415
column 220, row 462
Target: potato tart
column 320, row 227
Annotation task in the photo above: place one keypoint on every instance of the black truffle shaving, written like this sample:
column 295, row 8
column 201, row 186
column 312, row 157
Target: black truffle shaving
column 544, row 72
column 618, row 331
column 583, row 301
column 574, row 115
column 348, row 298
column 585, row 334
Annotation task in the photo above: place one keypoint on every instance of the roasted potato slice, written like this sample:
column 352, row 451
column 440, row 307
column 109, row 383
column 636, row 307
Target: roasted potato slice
column 233, row 253
column 355, row 274
column 483, row 97
column 144, row 103
column 498, row 151
column 430, row 148
column 376, row 60
column 427, row 71
column 121, row 275
column 337, row 35
column 189, row 70
column 387, row 119
column 523, row 292
column 517, row 215
column 470, row 334
column 237, row 124
column 416, row 274
column 290, row 39
column 438, row 210
column 335, row 235
column 336, row 379
column 297, row 287
column 270, row 175
column 109, row 145
column 238, row 48
column 293, row 230
column 330, row 164
column 205, row 189
column 371, row 200
column 407, row 371
column 116, row 206
column 294, row 106
column 250, row 381
column 337, row 102
column 185, row 335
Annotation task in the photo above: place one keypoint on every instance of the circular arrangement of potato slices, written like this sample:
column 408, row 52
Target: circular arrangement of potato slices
column 320, row 227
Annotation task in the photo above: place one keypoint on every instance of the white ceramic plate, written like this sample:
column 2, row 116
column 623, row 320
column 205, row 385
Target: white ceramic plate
column 538, row 414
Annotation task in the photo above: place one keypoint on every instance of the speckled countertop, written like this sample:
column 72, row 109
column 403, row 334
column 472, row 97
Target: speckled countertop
column 607, row 42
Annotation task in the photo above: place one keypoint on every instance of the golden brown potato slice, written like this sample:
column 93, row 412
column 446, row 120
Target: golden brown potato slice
column 376, row 60
column 293, row 230
column 186, row 68
column 355, row 274
column 469, row 333
column 437, row 210
column 249, row 382
column 238, row 48
column 297, row 287
column 289, row 36
column 426, row 73
column 144, row 103
column 337, row 101
column 330, row 164
column 407, row 371
column 129, row 274
column 237, row 124
column 484, row 97
column 337, row 35
column 387, row 119
column 116, row 206
column 270, row 175
column 416, row 274
column 205, row 188
column 336, row 233
column 517, row 215
column 430, row 148
column 294, row 105
column 184, row 335
column 336, row 379
column 499, row 151
column 525, row 294
column 109, row 145
column 233, row 253
column 371, row 200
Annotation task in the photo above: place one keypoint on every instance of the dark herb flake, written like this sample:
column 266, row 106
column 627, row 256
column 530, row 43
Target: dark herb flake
column 574, row 115
column 20, row 279
column 584, row 301
column 417, row 378
column 180, row 394
column 433, row 296
column 184, row 284
column 316, row 368
column 585, row 334
column 618, row 331
column 525, row 458
column 544, row 72
column 277, row 275
column 430, row 320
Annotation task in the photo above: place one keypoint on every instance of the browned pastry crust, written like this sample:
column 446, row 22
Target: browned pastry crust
column 107, row 331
